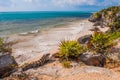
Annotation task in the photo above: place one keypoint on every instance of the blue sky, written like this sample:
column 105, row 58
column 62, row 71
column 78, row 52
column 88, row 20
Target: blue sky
column 56, row 5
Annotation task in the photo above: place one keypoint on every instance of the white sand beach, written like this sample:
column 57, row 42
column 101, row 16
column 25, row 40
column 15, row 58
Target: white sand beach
column 29, row 46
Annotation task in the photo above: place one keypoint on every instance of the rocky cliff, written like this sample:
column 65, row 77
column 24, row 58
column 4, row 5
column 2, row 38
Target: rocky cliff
column 109, row 17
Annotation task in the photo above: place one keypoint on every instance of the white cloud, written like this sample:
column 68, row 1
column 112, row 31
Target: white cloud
column 53, row 4
column 108, row 3
column 73, row 2
column 63, row 3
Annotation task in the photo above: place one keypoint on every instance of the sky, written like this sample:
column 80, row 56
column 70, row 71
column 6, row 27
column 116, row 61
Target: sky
column 56, row 5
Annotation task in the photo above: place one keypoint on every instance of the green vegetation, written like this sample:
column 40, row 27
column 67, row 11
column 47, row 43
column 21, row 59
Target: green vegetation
column 114, row 35
column 110, row 16
column 5, row 46
column 70, row 49
column 66, row 64
column 97, row 15
column 100, row 43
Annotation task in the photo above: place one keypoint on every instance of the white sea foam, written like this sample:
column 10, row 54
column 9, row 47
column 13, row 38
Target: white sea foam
column 22, row 34
column 33, row 32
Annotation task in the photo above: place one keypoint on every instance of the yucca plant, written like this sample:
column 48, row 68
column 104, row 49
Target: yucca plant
column 70, row 49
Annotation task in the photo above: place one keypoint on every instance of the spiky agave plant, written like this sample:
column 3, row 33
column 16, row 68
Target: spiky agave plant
column 70, row 49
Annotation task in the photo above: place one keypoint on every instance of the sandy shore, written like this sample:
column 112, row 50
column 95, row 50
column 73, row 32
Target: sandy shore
column 30, row 46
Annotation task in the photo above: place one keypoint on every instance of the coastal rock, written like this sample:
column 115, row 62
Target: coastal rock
column 21, row 76
column 115, row 54
column 93, row 60
column 84, row 39
column 95, row 29
column 98, row 23
column 118, row 15
column 37, row 63
column 7, row 65
column 94, row 19
column 105, row 18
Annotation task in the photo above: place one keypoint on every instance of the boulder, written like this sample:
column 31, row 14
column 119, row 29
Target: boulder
column 93, row 60
column 94, row 19
column 118, row 15
column 84, row 39
column 98, row 23
column 7, row 65
column 95, row 29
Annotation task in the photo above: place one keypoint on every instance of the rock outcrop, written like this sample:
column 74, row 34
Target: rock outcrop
column 109, row 17
column 84, row 39
column 36, row 64
column 93, row 60
column 7, row 65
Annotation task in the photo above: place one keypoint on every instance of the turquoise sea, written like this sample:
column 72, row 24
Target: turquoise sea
column 18, row 22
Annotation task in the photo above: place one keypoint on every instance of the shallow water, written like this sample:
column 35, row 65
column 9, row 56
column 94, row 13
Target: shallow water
column 19, row 22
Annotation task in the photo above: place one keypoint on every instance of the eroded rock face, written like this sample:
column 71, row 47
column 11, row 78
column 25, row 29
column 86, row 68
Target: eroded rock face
column 93, row 60
column 7, row 65
column 37, row 63
column 94, row 19
column 84, row 39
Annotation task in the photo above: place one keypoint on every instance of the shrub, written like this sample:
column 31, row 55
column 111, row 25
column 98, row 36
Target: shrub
column 5, row 46
column 66, row 64
column 70, row 49
column 100, row 43
column 97, row 15
column 114, row 35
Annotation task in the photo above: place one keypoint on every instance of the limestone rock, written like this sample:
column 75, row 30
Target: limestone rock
column 84, row 39
column 7, row 65
column 93, row 60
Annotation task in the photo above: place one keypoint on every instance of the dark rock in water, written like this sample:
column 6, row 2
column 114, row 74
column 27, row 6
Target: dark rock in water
column 93, row 60
column 84, row 39
column 7, row 65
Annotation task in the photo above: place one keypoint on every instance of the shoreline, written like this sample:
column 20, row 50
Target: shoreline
column 26, row 27
column 32, row 46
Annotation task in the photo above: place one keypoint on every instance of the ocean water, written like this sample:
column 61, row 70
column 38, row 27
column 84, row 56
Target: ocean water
column 19, row 22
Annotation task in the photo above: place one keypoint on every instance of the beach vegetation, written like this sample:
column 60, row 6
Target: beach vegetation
column 110, row 16
column 66, row 64
column 97, row 15
column 5, row 47
column 100, row 43
column 115, row 35
column 70, row 49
